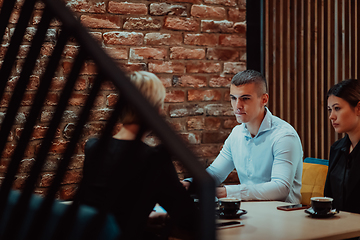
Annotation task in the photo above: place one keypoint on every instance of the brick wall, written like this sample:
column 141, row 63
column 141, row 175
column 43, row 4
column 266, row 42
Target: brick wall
column 193, row 46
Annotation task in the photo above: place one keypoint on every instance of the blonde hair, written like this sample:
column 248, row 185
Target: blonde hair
column 151, row 88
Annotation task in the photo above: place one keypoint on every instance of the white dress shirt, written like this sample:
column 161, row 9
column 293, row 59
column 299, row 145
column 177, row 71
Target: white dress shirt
column 269, row 165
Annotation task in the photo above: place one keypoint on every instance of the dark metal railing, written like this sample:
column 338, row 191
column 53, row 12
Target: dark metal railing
column 107, row 69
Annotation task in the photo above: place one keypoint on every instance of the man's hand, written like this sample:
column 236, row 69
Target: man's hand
column 221, row 192
column 186, row 184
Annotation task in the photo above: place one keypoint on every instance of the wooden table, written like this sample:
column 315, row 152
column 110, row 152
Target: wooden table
column 264, row 221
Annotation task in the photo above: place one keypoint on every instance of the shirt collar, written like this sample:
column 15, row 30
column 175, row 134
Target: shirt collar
column 264, row 126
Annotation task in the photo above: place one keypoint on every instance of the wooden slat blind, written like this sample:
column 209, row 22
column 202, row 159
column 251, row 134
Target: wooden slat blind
column 309, row 46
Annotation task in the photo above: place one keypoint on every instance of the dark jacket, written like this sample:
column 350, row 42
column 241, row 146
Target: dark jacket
column 343, row 178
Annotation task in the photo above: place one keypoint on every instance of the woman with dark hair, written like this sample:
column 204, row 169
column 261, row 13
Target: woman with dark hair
column 343, row 178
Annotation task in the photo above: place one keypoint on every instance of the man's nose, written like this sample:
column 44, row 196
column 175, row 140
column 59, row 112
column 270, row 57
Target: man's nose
column 239, row 103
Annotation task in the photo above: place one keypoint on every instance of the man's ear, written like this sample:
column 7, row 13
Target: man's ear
column 265, row 98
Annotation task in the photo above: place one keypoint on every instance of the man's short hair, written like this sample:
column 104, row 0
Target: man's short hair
column 250, row 76
column 151, row 88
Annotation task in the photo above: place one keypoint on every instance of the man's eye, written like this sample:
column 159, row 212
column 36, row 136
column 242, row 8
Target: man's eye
column 232, row 98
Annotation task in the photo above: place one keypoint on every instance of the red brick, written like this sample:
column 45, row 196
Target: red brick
column 212, row 123
column 23, row 51
column 203, row 11
column 58, row 147
column 87, row 6
column 196, row 123
column 163, row 39
column 72, row 176
column 142, row 23
column 237, row 15
column 111, row 100
column 70, row 51
column 191, row 138
column 107, row 85
column 185, row 110
column 240, row 28
column 123, row 38
column 218, row 110
column 189, row 81
column 222, row 54
column 131, row 67
column 184, row 24
column 208, row 150
column 201, row 39
column 227, row 95
column 211, row 26
column 186, row 53
column 175, row 96
column 117, row 53
column 203, row 67
column 33, row 84
column 67, row 193
column 97, row 36
column 162, row 9
column 77, row 99
column 46, row 50
column 93, row 129
column 57, row 83
column 203, row 95
column 68, row 130
column 38, row 132
column 185, row 1
column 166, row 67
column 242, row 4
column 242, row 54
column 220, row 82
column 166, row 81
column 214, row 137
column 177, row 124
column 28, row 99
column 8, row 151
column 81, row 84
column 127, row 8
column 100, row 21
column 233, row 40
column 14, row 16
column 100, row 114
column 234, row 67
column 37, row 17
column 19, row 181
column 139, row 53
column 230, row 123
column 231, row 3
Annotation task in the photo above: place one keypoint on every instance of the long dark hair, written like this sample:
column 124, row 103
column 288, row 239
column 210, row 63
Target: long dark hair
column 349, row 90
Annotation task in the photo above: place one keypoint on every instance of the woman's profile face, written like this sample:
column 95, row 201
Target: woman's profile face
column 344, row 118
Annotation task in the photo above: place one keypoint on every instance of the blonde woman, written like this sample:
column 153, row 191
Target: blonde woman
column 143, row 175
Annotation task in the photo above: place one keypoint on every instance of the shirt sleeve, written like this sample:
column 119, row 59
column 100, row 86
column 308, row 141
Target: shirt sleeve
column 287, row 152
column 223, row 164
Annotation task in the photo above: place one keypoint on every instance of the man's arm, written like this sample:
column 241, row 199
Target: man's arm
column 287, row 156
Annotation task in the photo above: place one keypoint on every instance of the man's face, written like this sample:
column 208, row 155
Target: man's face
column 248, row 106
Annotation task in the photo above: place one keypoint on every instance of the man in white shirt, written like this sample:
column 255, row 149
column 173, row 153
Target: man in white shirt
column 265, row 150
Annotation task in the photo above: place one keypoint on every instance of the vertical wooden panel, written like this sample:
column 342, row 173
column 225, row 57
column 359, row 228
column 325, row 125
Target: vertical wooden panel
column 310, row 46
